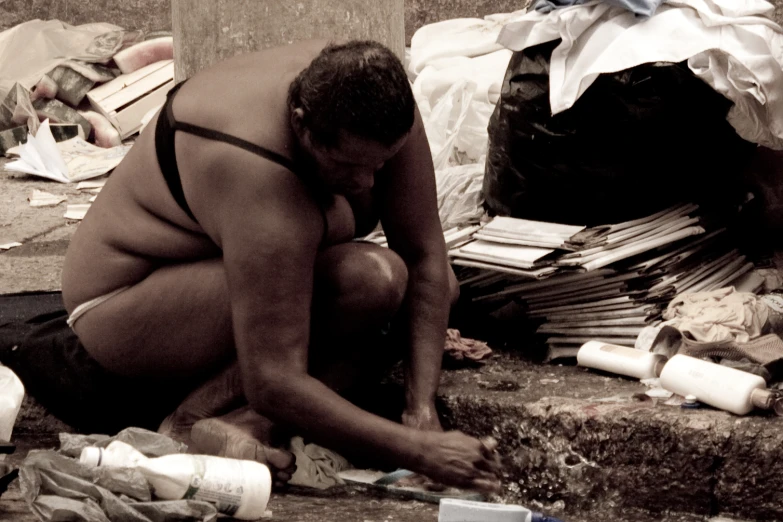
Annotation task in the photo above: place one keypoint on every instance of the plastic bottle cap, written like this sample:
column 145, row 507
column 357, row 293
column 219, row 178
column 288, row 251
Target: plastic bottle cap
column 691, row 399
column 762, row 399
column 91, row 456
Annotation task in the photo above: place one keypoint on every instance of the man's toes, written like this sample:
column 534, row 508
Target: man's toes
column 280, row 459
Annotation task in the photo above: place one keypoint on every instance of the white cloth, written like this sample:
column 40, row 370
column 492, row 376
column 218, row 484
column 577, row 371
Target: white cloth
column 718, row 315
column 732, row 45
column 316, row 466
column 460, row 37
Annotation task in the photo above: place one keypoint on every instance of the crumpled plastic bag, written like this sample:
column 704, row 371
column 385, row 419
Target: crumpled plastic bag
column 150, row 443
column 458, row 69
column 460, row 200
column 456, row 97
column 718, row 315
column 59, row 488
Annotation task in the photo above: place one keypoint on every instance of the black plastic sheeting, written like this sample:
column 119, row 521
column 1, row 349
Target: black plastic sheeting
column 635, row 142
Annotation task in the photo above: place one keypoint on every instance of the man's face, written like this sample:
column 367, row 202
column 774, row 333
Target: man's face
column 349, row 167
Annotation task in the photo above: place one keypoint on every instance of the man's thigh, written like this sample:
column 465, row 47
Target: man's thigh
column 177, row 321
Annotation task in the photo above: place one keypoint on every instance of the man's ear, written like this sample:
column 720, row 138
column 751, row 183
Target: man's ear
column 297, row 120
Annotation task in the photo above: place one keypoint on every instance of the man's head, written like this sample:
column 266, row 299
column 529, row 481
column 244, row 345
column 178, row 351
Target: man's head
column 352, row 109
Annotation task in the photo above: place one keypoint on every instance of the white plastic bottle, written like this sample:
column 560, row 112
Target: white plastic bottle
column 620, row 360
column 239, row 488
column 115, row 455
column 11, row 396
column 719, row 386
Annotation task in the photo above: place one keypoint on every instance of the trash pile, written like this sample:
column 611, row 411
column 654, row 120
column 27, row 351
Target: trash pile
column 66, row 110
column 94, row 81
column 598, row 100
column 609, row 112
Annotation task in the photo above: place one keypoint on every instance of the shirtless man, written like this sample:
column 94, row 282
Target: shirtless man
column 226, row 257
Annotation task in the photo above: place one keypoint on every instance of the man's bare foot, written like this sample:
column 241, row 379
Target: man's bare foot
column 243, row 434
column 217, row 396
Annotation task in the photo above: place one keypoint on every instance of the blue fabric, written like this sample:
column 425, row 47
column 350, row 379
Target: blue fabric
column 638, row 7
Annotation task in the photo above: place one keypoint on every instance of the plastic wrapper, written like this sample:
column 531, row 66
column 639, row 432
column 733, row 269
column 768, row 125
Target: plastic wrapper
column 16, row 109
column 57, row 487
column 459, row 194
column 635, row 142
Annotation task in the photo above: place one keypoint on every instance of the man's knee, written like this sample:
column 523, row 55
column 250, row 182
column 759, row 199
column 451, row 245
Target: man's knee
column 364, row 277
column 383, row 280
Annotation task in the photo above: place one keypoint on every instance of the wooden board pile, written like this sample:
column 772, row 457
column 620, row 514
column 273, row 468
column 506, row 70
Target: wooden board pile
column 604, row 283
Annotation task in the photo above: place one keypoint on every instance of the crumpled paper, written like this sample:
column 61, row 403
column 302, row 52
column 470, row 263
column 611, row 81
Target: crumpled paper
column 59, row 488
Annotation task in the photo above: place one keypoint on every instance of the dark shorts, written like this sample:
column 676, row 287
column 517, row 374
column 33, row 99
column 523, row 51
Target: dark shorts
column 59, row 373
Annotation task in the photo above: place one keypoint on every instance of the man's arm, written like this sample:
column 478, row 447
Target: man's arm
column 409, row 215
column 269, row 230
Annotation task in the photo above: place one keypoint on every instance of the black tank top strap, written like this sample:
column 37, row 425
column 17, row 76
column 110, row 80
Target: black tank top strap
column 168, row 125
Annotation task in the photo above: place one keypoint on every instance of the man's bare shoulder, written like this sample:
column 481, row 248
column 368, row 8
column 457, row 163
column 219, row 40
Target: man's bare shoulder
column 230, row 187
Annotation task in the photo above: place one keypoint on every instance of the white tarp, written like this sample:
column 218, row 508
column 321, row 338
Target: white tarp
column 32, row 49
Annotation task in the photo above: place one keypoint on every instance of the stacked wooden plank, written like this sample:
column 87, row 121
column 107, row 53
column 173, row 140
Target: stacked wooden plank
column 605, row 283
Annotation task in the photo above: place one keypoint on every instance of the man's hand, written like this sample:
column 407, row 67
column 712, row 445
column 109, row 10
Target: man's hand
column 422, row 418
column 455, row 459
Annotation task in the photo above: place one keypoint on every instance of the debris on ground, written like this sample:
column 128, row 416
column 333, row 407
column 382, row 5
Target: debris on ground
column 77, row 211
column 460, row 349
column 66, row 162
column 40, row 198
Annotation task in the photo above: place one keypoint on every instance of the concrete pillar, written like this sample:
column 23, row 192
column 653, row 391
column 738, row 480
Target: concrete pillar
column 207, row 31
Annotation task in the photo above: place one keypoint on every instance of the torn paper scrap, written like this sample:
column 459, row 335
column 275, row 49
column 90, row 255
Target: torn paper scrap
column 92, row 199
column 9, row 246
column 94, row 185
column 66, row 162
column 77, row 211
column 39, row 198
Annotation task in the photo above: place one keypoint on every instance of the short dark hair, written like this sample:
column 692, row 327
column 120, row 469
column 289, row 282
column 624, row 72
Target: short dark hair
column 360, row 87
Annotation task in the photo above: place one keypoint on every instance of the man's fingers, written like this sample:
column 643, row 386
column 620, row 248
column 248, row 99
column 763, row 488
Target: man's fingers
column 487, row 486
column 490, row 464
column 488, row 446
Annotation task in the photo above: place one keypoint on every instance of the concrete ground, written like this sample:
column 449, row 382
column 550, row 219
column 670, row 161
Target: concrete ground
column 45, row 234
column 577, row 444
